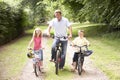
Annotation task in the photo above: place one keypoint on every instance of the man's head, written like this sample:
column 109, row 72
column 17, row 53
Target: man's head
column 58, row 14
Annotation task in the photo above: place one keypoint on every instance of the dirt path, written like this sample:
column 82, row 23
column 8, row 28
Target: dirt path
column 91, row 72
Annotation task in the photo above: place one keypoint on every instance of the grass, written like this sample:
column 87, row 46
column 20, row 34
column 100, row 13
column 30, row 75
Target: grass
column 105, row 45
column 107, row 56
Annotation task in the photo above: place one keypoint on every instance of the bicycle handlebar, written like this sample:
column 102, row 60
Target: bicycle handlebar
column 80, row 46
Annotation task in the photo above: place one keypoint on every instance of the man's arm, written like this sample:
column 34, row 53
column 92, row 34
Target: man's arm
column 48, row 30
column 70, row 32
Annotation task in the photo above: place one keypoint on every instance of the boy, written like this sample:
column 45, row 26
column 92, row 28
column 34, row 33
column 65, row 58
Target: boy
column 79, row 41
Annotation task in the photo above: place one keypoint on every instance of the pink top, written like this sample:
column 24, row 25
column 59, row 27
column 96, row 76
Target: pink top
column 37, row 43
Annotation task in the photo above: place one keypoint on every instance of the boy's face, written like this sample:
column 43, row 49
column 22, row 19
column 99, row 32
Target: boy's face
column 81, row 34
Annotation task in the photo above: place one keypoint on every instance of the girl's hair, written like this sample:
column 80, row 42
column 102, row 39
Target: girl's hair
column 35, row 34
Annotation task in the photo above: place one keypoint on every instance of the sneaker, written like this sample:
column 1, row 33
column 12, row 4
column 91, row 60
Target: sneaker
column 51, row 60
column 42, row 70
column 61, row 68
column 33, row 72
column 83, row 70
column 72, row 70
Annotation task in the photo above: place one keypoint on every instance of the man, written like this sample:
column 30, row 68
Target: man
column 60, row 25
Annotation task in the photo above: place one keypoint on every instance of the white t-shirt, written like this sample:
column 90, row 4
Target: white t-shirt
column 60, row 27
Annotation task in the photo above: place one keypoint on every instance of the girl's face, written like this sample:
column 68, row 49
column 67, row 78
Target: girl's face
column 38, row 32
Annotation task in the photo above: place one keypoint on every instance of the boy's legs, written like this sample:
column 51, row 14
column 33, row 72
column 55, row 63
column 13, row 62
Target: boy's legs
column 75, row 59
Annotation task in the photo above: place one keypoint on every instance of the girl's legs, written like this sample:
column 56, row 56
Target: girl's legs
column 41, row 60
column 33, row 65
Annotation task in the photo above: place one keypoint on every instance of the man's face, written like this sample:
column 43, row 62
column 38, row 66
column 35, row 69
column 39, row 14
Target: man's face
column 57, row 15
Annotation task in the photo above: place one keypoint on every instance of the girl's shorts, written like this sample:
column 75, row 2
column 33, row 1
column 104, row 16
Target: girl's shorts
column 39, row 53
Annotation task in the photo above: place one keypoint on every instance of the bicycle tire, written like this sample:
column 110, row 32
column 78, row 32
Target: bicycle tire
column 37, row 69
column 57, row 62
column 79, row 66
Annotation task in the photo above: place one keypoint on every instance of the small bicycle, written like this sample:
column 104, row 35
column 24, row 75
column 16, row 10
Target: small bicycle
column 37, row 68
column 81, row 55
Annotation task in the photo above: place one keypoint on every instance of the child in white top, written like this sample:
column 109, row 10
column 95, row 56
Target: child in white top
column 79, row 41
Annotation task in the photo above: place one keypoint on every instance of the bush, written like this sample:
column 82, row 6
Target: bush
column 11, row 23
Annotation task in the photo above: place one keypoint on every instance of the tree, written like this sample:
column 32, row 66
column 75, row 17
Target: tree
column 98, row 11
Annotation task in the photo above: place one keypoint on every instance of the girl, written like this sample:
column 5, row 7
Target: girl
column 37, row 40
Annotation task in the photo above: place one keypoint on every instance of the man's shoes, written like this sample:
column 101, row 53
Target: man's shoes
column 51, row 60
column 61, row 68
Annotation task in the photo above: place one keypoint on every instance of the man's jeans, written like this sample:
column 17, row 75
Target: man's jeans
column 63, row 54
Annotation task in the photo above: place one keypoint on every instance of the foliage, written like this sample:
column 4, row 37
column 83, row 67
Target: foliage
column 37, row 10
column 98, row 11
column 11, row 20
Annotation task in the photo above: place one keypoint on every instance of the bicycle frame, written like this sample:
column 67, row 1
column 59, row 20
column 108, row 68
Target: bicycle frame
column 58, row 57
column 58, row 50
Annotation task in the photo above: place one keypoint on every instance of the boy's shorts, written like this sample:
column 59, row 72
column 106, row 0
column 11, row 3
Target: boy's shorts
column 39, row 53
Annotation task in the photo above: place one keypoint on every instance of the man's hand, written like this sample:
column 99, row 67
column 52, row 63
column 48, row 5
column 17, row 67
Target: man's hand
column 48, row 34
column 70, row 32
column 48, row 31
column 69, row 37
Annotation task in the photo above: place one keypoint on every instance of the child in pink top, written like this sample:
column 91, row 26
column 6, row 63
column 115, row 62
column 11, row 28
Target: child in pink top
column 37, row 40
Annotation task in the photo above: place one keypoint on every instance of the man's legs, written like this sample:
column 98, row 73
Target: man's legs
column 53, row 53
column 63, row 55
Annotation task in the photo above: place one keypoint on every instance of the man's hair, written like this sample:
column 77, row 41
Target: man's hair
column 81, row 31
column 58, row 11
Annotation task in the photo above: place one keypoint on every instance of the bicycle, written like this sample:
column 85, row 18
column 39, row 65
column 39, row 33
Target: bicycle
column 58, row 54
column 37, row 68
column 79, row 63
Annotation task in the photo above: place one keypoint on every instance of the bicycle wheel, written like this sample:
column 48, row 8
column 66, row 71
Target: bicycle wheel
column 37, row 69
column 79, row 66
column 57, row 62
